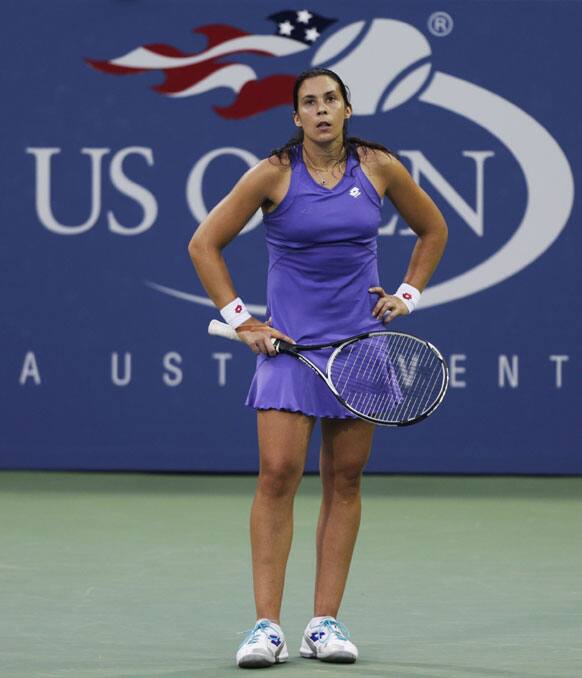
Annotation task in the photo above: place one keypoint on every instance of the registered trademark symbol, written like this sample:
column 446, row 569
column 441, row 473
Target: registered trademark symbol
column 440, row 24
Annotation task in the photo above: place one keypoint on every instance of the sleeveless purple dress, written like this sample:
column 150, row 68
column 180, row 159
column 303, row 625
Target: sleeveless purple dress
column 322, row 246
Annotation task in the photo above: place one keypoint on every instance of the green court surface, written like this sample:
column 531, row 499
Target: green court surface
column 129, row 575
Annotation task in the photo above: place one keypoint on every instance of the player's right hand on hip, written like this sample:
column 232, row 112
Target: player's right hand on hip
column 258, row 336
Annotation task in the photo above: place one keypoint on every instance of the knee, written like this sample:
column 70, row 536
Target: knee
column 279, row 479
column 345, row 482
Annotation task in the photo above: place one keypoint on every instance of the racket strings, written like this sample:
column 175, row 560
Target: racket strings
column 389, row 378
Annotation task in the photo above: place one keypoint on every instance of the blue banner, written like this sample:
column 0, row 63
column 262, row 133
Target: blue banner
column 125, row 123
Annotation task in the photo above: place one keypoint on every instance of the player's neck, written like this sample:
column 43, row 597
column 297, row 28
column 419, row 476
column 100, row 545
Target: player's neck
column 324, row 156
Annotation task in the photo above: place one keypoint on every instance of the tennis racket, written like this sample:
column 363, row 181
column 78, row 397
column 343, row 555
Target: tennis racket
column 389, row 378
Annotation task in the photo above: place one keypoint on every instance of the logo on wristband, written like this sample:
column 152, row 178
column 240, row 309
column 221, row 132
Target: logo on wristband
column 407, row 295
column 238, row 309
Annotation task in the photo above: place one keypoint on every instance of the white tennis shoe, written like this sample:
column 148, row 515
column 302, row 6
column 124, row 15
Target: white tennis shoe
column 327, row 639
column 263, row 646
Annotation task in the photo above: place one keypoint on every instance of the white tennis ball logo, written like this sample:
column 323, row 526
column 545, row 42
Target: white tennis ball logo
column 383, row 69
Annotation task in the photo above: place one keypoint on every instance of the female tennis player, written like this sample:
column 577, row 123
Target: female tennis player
column 320, row 195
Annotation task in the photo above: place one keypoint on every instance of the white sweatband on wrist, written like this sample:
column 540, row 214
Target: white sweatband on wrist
column 235, row 313
column 409, row 295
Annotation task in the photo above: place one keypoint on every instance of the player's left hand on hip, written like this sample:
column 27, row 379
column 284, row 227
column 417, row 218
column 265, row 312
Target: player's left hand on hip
column 387, row 307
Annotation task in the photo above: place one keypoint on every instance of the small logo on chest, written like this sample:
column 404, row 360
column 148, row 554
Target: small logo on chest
column 355, row 192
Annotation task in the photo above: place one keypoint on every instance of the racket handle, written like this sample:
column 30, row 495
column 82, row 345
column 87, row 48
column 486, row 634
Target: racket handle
column 224, row 330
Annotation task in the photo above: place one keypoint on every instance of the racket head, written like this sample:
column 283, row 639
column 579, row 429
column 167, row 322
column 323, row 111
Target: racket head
column 388, row 378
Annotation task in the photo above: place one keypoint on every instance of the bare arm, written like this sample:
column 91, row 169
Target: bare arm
column 221, row 226
column 425, row 219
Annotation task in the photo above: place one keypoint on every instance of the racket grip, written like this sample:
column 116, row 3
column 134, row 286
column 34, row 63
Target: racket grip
column 224, row 330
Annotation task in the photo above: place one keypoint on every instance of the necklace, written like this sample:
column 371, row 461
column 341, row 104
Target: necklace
column 322, row 180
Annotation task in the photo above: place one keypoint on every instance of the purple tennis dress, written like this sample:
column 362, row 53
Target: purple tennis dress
column 322, row 259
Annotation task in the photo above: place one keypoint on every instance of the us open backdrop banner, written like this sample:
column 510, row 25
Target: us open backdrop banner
column 123, row 123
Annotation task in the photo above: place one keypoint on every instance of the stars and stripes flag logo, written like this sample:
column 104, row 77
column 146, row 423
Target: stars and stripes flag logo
column 190, row 74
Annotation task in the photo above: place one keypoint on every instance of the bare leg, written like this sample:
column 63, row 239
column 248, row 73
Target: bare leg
column 283, row 442
column 345, row 451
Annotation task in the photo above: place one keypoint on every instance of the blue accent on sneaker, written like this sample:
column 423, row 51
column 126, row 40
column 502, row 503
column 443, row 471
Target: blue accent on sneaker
column 336, row 628
column 317, row 635
column 260, row 627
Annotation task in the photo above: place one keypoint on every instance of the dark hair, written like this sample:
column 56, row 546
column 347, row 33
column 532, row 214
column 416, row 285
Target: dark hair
column 350, row 143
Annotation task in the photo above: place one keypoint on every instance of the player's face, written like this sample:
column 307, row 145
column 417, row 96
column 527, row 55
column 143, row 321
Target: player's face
column 321, row 109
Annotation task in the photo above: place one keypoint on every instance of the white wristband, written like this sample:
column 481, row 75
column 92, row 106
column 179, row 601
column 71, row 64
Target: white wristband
column 235, row 313
column 409, row 295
